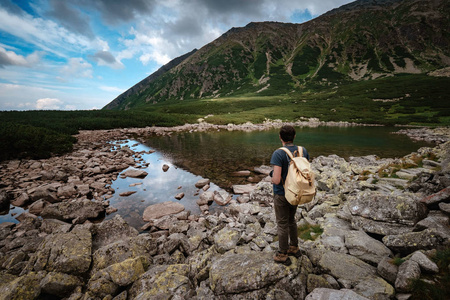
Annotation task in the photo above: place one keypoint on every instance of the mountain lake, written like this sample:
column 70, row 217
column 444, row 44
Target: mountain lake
column 217, row 155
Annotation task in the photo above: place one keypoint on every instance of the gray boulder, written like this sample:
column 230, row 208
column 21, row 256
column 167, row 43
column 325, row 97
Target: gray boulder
column 387, row 270
column 59, row 284
column 24, row 287
column 408, row 271
column 413, row 241
column 362, row 246
column 424, row 262
column 110, row 231
column 75, row 210
column 330, row 294
column 133, row 173
column 226, row 239
column 159, row 210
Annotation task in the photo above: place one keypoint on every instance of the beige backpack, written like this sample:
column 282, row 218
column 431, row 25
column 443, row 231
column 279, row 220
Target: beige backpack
column 299, row 187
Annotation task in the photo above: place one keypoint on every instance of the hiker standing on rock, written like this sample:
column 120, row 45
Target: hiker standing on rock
column 284, row 211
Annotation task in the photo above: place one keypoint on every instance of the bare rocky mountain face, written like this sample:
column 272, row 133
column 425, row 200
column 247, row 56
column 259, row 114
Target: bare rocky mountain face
column 363, row 40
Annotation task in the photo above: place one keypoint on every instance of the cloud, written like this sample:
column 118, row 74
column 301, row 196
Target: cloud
column 70, row 18
column 77, row 67
column 105, row 58
column 48, row 103
column 112, row 89
column 10, row 58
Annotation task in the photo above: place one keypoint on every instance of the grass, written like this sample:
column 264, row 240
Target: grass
column 309, row 232
column 436, row 287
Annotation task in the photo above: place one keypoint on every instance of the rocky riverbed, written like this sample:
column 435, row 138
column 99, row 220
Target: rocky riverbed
column 372, row 212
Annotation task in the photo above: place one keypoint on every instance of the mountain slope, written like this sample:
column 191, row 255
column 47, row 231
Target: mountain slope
column 363, row 40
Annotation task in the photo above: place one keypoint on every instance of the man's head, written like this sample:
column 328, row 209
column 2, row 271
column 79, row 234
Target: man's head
column 287, row 133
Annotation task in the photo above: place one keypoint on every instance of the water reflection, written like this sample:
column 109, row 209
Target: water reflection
column 158, row 186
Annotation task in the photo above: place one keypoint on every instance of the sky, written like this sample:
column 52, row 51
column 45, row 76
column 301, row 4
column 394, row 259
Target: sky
column 82, row 54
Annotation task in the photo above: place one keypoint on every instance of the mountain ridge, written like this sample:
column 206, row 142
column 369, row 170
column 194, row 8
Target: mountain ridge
column 363, row 40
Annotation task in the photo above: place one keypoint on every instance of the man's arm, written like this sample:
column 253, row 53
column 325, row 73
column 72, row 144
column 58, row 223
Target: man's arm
column 276, row 177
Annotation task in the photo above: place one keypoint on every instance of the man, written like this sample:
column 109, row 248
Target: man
column 284, row 211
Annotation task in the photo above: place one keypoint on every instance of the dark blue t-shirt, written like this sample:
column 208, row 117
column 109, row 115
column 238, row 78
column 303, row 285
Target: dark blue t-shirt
column 281, row 159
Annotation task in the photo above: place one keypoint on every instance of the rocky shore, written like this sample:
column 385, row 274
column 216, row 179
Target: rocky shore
column 381, row 222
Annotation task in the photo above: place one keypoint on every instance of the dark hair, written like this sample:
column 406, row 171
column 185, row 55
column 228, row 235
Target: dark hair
column 287, row 133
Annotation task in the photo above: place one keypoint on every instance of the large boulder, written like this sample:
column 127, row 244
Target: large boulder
column 330, row 294
column 226, row 239
column 24, row 287
column 76, row 211
column 68, row 253
column 110, row 231
column 159, row 210
column 366, row 248
column 133, row 173
column 59, row 284
column 412, row 241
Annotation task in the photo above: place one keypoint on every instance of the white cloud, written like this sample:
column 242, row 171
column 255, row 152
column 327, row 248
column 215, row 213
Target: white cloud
column 10, row 58
column 77, row 67
column 48, row 103
column 112, row 89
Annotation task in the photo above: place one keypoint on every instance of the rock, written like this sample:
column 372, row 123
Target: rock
column 249, row 272
column 442, row 195
column 159, row 210
column 316, row 281
column 133, row 173
column 445, row 207
column 263, row 193
column 408, row 271
column 100, row 285
column 128, row 193
column 362, row 246
column 44, row 192
column 4, row 201
column 244, row 173
column 222, row 198
column 201, row 183
column 375, row 288
column 400, row 209
column 387, row 270
column 142, row 245
column 66, row 191
column 206, row 198
column 22, row 200
column 110, row 210
column 37, row 207
column 179, row 196
column 243, row 189
column 226, row 239
column 162, row 282
column 74, row 210
column 265, row 170
column 24, row 287
column 343, row 266
column 110, row 231
column 59, row 284
column 165, row 168
column 329, row 294
column 127, row 271
column 68, row 253
column 436, row 220
column 380, row 228
column 413, row 241
column 424, row 262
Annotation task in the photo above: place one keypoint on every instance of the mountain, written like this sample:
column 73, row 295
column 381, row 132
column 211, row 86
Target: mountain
column 360, row 41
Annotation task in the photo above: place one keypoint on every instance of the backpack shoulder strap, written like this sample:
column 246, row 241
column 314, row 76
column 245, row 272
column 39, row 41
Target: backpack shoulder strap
column 300, row 151
column 287, row 152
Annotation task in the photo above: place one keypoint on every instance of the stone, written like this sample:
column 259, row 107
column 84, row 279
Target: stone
column 159, row 210
column 22, row 200
column 347, row 267
column 24, row 287
column 66, row 191
column 238, row 273
column 59, row 284
column 221, row 198
column 438, row 197
column 387, row 270
column 413, row 241
column 316, row 281
column 243, row 189
column 162, row 282
column 408, row 271
column 201, row 183
column 243, row 173
column 111, row 231
column 265, row 170
column 262, row 193
column 64, row 252
column 127, row 271
column 179, row 196
column 375, row 288
column 366, row 248
column 4, row 201
column 165, row 168
column 37, row 207
column 380, row 228
column 44, row 192
column 445, row 207
column 330, row 294
column 426, row 264
column 128, row 193
column 226, row 239
column 101, row 285
column 390, row 208
column 206, row 198
column 133, row 173
column 79, row 210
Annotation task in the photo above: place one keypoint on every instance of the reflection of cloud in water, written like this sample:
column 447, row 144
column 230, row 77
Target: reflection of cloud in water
column 158, row 186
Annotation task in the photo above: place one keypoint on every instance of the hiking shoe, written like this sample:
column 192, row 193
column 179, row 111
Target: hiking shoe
column 294, row 251
column 282, row 258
